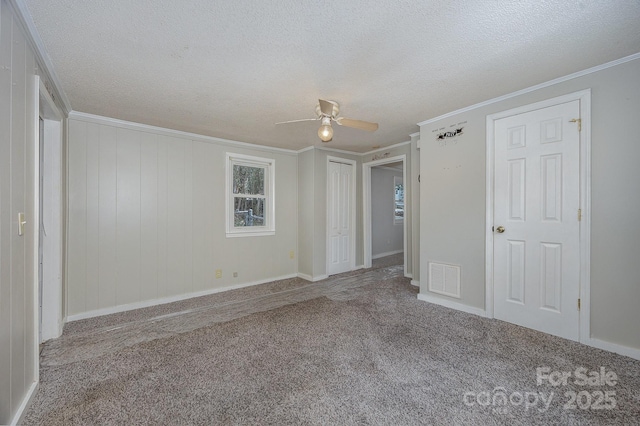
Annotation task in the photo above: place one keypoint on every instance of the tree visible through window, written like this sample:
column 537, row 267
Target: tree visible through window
column 248, row 196
column 250, row 201
column 398, row 215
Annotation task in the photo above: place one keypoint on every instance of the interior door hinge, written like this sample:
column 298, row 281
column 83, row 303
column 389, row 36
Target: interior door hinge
column 579, row 215
column 578, row 304
column 577, row 120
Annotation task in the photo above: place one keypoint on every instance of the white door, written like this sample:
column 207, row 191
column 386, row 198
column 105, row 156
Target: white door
column 339, row 221
column 536, row 222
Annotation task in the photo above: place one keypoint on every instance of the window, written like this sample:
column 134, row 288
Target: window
column 398, row 215
column 250, row 196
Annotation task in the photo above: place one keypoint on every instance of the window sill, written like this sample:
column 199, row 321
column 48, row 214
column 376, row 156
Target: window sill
column 250, row 234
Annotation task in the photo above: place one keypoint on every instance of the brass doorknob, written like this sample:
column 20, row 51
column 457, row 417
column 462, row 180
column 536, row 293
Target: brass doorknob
column 500, row 229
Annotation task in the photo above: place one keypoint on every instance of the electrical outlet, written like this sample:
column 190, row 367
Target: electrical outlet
column 218, row 273
column 291, row 254
column 235, row 275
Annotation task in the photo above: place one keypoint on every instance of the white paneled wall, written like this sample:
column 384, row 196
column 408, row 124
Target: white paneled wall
column 18, row 269
column 146, row 218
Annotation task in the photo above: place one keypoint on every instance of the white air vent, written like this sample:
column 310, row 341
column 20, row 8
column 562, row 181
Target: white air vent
column 444, row 279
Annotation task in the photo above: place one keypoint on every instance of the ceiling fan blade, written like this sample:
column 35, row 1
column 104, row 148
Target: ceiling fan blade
column 357, row 124
column 326, row 107
column 297, row 121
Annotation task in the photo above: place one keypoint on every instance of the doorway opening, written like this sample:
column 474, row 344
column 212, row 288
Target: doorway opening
column 50, row 200
column 385, row 204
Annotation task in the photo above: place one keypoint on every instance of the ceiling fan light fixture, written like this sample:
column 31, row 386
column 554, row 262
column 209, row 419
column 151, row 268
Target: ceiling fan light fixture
column 325, row 133
column 328, row 111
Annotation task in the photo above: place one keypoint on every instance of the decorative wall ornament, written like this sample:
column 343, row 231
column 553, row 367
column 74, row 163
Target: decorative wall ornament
column 449, row 136
column 379, row 156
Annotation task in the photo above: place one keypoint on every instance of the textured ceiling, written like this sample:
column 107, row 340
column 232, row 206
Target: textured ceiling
column 231, row 69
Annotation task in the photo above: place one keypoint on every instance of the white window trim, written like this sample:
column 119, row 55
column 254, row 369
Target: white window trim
column 252, row 231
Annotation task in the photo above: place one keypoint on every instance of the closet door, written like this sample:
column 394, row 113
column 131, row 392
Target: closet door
column 339, row 217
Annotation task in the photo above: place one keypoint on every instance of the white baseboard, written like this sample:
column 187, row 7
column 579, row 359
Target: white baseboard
column 614, row 347
column 162, row 301
column 26, row 402
column 409, row 276
column 596, row 343
column 451, row 304
column 312, row 279
column 415, row 283
column 389, row 253
column 358, row 267
column 305, row 276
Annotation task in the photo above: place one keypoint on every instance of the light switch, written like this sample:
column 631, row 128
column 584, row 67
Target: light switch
column 21, row 223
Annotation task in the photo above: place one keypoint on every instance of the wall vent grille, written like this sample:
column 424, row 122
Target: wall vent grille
column 444, row 279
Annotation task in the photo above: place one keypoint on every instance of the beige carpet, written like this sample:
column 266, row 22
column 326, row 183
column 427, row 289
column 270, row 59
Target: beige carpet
column 363, row 350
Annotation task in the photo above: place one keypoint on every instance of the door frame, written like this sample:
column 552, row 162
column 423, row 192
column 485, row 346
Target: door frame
column 366, row 206
column 584, row 96
column 352, row 219
column 52, row 319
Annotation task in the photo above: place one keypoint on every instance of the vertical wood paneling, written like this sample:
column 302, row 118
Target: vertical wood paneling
column 188, row 216
column 18, row 189
column 176, row 218
column 92, row 297
column 18, row 202
column 162, row 209
column 214, row 222
column 107, row 271
column 149, row 211
column 217, row 212
column 31, row 241
column 6, row 222
column 211, row 220
column 128, row 217
column 200, row 188
column 77, row 231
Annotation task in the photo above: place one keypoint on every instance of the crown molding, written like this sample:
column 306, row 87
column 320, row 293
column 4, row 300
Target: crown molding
column 534, row 88
column 98, row 119
column 340, row 151
column 45, row 65
column 361, row 154
column 386, row 148
column 309, row 148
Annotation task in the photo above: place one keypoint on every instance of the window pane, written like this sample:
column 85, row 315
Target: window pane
column 248, row 211
column 248, row 180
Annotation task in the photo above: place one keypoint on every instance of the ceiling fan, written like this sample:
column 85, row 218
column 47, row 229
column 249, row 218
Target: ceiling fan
column 327, row 111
